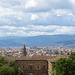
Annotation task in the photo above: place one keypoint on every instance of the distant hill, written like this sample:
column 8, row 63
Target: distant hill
column 44, row 40
column 69, row 43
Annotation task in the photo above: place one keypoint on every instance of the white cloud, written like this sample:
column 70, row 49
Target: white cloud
column 72, row 1
column 62, row 12
column 33, row 30
column 30, row 3
column 73, row 6
column 6, row 12
column 33, row 17
column 65, row 30
column 10, row 28
column 43, row 28
column 37, row 17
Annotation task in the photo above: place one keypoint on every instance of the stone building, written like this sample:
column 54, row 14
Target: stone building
column 33, row 67
column 36, row 65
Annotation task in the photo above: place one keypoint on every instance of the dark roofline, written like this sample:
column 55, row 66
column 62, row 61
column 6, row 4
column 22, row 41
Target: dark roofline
column 30, row 60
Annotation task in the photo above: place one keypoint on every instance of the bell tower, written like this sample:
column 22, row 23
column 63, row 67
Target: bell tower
column 24, row 50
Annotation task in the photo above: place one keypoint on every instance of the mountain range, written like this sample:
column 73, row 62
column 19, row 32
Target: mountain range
column 43, row 40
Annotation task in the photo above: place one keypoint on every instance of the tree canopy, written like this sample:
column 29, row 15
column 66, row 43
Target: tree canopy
column 5, row 70
column 1, row 60
column 64, row 66
column 72, row 56
column 11, row 69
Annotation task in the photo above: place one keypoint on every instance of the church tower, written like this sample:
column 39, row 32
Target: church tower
column 24, row 50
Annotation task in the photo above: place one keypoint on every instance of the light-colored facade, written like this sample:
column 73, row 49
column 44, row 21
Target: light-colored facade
column 35, row 67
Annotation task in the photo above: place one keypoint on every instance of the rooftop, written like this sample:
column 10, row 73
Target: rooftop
column 36, row 57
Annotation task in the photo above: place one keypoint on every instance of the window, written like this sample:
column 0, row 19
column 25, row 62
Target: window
column 38, row 67
column 23, row 67
column 30, row 73
column 30, row 67
column 44, row 67
column 43, row 73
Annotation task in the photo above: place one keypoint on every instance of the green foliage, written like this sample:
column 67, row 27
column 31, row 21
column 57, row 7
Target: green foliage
column 1, row 60
column 17, row 70
column 72, row 56
column 54, row 72
column 5, row 70
column 20, row 72
column 11, row 63
column 64, row 66
column 11, row 69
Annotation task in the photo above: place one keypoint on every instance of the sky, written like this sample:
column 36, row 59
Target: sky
column 37, row 17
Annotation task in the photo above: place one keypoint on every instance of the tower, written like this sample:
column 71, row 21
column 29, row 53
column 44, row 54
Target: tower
column 24, row 50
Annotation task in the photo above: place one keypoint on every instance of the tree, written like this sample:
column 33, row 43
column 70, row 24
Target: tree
column 5, row 70
column 20, row 72
column 72, row 56
column 64, row 66
column 11, row 63
column 54, row 72
column 11, row 69
column 17, row 69
column 1, row 60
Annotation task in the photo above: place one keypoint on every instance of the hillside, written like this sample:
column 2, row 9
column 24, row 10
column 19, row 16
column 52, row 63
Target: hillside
column 44, row 40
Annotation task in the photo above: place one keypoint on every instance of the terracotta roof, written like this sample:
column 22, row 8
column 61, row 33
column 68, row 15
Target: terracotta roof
column 49, row 58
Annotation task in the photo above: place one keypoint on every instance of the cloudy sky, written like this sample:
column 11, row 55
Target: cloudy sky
column 37, row 17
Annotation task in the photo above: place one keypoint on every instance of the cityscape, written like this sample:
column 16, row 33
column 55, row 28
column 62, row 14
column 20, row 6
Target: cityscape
column 42, row 51
column 37, row 37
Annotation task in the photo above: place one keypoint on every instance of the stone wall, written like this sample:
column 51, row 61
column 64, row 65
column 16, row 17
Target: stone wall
column 33, row 67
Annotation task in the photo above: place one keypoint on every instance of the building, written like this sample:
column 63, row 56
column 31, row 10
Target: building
column 35, row 65
column 24, row 51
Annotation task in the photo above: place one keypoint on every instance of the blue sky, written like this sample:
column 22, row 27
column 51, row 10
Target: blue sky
column 37, row 17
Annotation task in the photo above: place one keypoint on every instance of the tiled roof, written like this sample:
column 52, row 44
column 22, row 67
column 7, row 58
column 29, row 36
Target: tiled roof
column 49, row 58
